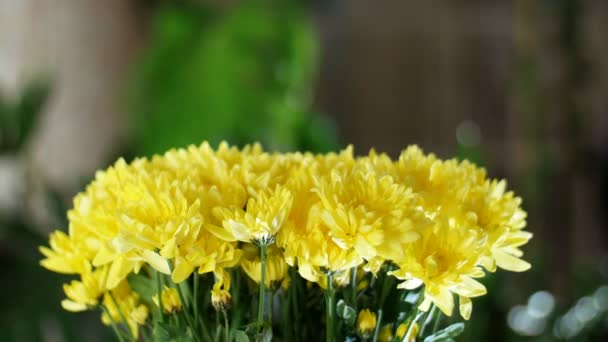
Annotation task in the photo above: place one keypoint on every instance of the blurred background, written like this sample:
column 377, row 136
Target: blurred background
column 520, row 87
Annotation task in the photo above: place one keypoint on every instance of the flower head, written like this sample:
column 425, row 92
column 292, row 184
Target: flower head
column 259, row 222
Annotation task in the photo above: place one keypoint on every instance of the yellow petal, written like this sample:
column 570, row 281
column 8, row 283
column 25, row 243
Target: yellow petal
column 59, row 265
column 118, row 271
column 411, row 284
column 444, row 301
column 170, row 248
column 156, row 261
column 465, row 307
column 469, row 287
column 73, row 306
column 220, row 232
column 183, row 269
column 509, row 262
column 103, row 256
column 207, row 266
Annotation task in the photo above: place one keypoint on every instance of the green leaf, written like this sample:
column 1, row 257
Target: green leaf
column 143, row 285
column 447, row 334
column 240, row 336
column 160, row 333
column 347, row 313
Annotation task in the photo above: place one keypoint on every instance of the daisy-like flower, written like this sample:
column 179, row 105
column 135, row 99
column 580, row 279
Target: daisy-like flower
column 259, row 222
column 86, row 293
column 446, row 261
column 369, row 213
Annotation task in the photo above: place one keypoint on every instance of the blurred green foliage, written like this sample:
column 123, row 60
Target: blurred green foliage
column 17, row 117
column 239, row 74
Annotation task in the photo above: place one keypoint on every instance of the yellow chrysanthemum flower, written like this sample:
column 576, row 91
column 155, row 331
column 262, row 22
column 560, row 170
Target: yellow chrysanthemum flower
column 84, row 294
column 502, row 220
column 261, row 220
column 66, row 255
column 445, row 260
column 369, row 213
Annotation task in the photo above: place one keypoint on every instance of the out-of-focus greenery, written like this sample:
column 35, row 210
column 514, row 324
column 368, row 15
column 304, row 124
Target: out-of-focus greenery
column 17, row 117
column 242, row 74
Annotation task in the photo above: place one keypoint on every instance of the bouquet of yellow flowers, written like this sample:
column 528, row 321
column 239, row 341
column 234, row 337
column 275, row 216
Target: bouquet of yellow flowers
column 241, row 244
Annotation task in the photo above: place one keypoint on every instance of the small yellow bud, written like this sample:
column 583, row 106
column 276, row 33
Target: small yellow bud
column 402, row 330
column 366, row 323
column 170, row 299
column 386, row 333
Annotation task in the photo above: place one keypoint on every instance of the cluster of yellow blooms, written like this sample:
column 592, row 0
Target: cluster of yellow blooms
column 439, row 223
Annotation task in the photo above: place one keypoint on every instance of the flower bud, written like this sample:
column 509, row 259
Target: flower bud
column 366, row 323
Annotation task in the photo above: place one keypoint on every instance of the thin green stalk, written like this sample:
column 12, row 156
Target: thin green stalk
column 184, row 307
column 206, row 332
column 270, row 306
column 293, row 293
column 218, row 329
column 159, row 291
column 378, row 324
column 262, row 287
column 428, row 320
column 388, row 283
column 330, row 307
column 437, row 322
column 353, row 282
column 114, row 326
column 226, row 326
column 122, row 316
column 410, row 328
column 195, row 296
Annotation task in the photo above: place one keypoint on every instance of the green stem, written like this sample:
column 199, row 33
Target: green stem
column 159, row 292
column 293, row 295
column 218, row 329
column 114, row 326
column 378, row 324
column 122, row 316
column 330, row 307
column 388, row 282
column 406, row 337
column 262, row 287
column 428, row 320
column 195, row 296
column 206, row 331
column 184, row 306
column 353, row 282
column 226, row 326
column 270, row 306
column 437, row 322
